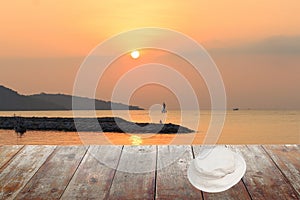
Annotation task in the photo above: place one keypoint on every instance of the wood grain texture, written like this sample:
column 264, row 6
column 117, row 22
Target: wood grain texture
column 287, row 158
column 52, row 178
column 238, row 191
column 94, row 176
column 135, row 178
column 21, row 169
column 7, row 153
column 263, row 179
column 69, row 172
column 172, row 181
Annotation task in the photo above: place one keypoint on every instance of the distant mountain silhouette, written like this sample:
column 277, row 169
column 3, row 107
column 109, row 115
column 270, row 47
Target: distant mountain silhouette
column 10, row 100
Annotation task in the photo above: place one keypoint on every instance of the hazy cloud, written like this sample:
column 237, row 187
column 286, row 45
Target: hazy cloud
column 288, row 45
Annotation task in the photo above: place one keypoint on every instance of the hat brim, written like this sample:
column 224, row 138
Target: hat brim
column 218, row 184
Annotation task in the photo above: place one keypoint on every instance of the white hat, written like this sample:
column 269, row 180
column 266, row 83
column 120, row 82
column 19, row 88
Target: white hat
column 216, row 170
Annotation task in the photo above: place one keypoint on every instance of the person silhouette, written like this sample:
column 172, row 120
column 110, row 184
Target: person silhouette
column 164, row 108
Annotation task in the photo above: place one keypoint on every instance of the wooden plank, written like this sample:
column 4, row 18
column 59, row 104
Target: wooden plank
column 263, row 179
column 94, row 176
column 171, row 181
column 21, row 169
column 135, row 178
column 287, row 158
column 52, row 178
column 7, row 153
column 238, row 191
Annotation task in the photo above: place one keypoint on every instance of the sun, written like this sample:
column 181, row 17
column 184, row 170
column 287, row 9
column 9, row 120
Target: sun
column 135, row 54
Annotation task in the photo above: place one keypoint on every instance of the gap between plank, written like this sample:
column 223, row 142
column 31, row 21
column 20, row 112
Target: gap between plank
column 283, row 174
column 194, row 156
column 245, row 173
column 21, row 189
column 108, row 192
column 11, row 158
column 246, row 189
column 75, row 171
column 155, row 176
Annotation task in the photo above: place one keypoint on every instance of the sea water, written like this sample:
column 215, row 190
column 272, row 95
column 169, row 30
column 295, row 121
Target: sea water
column 240, row 127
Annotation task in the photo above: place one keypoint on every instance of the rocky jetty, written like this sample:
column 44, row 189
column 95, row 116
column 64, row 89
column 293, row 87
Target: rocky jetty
column 104, row 124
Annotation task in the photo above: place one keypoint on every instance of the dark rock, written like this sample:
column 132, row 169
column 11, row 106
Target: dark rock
column 104, row 124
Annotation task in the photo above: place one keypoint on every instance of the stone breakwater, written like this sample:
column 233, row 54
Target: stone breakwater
column 104, row 124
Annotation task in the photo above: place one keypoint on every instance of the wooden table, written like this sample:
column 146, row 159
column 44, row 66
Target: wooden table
column 73, row 172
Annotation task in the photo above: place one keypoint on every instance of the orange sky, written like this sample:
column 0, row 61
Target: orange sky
column 256, row 45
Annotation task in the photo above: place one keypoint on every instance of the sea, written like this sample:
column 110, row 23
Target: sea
column 211, row 127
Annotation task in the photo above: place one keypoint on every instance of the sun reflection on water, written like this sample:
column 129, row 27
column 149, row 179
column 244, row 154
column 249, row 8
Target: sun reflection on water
column 136, row 140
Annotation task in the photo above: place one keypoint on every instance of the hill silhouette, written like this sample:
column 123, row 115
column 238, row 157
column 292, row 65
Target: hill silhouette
column 11, row 100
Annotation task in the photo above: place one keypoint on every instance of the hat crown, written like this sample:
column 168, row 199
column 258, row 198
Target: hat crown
column 217, row 164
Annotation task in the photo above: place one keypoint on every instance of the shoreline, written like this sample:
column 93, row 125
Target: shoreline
column 107, row 124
